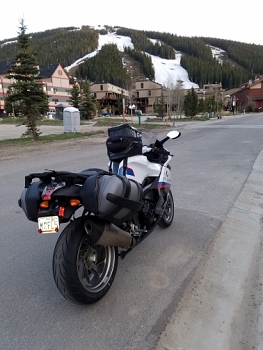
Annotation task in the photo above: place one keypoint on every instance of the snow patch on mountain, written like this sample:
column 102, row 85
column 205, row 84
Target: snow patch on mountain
column 110, row 38
column 169, row 72
column 217, row 53
column 166, row 71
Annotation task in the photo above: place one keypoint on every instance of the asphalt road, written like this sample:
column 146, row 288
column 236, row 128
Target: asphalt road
column 211, row 165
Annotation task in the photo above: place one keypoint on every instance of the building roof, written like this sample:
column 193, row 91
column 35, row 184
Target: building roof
column 256, row 81
column 45, row 71
column 231, row 92
column 251, row 82
column 4, row 67
column 148, row 81
column 48, row 71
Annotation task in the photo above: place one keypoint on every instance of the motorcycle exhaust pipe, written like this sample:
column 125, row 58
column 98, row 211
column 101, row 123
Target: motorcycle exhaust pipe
column 102, row 233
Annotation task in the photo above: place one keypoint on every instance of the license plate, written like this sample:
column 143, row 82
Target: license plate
column 48, row 224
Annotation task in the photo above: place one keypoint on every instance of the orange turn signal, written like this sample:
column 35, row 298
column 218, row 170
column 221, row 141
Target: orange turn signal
column 74, row 202
column 44, row 204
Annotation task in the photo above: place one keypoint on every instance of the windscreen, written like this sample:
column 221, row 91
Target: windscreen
column 148, row 138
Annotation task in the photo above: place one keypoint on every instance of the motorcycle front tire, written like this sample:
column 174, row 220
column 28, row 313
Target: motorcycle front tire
column 168, row 215
column 82, row 272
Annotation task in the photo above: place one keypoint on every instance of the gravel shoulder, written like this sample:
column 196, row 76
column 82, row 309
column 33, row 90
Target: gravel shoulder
column 37, row 148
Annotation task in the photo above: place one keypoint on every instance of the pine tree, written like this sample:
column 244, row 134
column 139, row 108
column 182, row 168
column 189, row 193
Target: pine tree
column 160, row 106
column 98, row 107
column 201, row 106
column 191, row 103
column 88, row 101
column 26, row 92
column 75, row 98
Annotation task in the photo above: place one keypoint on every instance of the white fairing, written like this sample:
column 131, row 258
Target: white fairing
column 165, row 178
column 138, row 168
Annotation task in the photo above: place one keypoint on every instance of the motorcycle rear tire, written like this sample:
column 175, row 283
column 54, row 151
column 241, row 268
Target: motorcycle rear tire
column 82, row 272
column 168, row 215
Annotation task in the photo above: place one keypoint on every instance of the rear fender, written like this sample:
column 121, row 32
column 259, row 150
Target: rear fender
column 68, row 212
column 63, row 196
column 67, row 191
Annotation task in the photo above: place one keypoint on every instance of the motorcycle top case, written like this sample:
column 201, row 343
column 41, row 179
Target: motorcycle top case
column 30, row 198
column 111, row 197
column 123, row 141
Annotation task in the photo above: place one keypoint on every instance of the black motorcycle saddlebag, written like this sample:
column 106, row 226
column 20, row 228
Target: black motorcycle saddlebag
column 111, row 197
column 30, row 198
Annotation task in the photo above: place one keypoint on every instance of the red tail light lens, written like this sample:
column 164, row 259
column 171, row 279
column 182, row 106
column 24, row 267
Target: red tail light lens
column 46, row 197
column 61, row 211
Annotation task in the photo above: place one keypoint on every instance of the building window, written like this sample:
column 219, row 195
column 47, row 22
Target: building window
column 55, row 101
column 95, row 95
column 141, row 85
column 101, row 87
column 149, row 93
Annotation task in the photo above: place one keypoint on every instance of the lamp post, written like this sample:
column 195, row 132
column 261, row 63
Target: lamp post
column 131, row 106
column 3, row 93
column 123, row 110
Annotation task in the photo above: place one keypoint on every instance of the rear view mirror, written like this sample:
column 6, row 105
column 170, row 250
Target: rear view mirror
column 173, row 134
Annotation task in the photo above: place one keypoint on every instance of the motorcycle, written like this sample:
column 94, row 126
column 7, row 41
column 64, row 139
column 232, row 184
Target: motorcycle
column 118, row 207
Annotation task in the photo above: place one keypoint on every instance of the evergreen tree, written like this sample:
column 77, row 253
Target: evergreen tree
column 75, row 96
column 201, row 106
column 191, row 103
column 98, row 107
column 160, row 106
column 26, row 92
column 88, row 101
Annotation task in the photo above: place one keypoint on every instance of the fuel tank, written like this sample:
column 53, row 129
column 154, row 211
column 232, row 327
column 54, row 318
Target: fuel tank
column 138, row 168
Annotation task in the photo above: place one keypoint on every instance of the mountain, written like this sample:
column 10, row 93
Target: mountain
column 122, row 55
column 165, row 69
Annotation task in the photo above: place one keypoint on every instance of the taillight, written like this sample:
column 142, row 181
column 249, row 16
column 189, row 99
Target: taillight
column 61, row 211
column 46, row 197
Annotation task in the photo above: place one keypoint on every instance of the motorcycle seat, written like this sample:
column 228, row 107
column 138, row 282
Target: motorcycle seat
column 93, row 171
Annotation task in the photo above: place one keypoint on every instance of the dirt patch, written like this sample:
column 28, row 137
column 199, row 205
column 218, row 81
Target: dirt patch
column 8, row 152
column 19, row 150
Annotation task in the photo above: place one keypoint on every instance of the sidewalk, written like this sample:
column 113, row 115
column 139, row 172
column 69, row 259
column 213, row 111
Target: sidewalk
column 9, row 131
column 222, row 308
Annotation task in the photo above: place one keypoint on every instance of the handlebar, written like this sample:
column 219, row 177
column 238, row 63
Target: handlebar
column 146, row 149
column 156, row 154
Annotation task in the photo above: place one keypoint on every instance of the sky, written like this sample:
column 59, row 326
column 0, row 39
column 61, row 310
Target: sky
column 223, row 19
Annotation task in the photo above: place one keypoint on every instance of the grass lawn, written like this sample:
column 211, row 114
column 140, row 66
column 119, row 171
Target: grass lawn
column 47, row 138
column 107, row 122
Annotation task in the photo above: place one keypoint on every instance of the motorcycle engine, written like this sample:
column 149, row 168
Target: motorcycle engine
column 146, row 214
